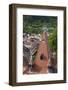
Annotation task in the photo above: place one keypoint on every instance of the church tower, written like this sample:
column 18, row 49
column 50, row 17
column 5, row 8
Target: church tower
column 41, row 60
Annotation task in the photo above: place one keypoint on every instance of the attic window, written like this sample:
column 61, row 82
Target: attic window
column 42, row 57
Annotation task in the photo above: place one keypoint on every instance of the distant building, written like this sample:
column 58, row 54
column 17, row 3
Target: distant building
column 30, row 46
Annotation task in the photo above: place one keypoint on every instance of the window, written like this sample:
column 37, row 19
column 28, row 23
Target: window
column 42, row 57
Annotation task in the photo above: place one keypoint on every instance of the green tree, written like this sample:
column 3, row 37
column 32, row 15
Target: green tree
column 52, row 40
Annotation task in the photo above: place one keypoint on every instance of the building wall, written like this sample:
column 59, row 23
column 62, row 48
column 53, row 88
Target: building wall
column 41, row 59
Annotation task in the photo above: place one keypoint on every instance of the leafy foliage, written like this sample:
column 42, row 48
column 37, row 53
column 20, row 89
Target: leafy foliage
column 52, row 39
